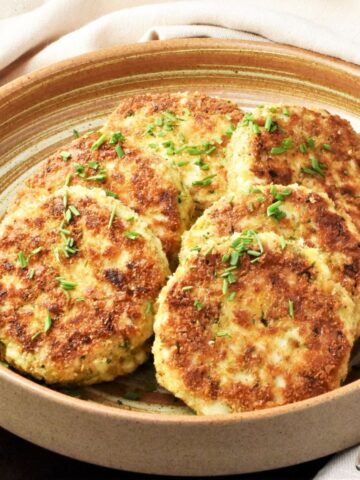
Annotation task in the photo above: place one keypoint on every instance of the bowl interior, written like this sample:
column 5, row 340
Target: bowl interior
column 38, row 114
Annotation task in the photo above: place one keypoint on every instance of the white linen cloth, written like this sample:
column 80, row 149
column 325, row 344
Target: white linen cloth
column 35, row 33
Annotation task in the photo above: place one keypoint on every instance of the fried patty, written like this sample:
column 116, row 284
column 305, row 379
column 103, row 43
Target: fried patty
column 79, row 273
column 291, row 144
column 190, row 130
column 251, row 325
column 144, row 182
column 294, row 213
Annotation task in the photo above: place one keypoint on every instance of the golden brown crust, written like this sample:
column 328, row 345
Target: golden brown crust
column 328, row 138
column 102, row 316
column 222, row 353
column 145, row 183
column 194, row 119
column 310, row 216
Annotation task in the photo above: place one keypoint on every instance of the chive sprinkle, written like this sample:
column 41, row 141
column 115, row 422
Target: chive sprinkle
column 111, row 194
column 273, row 210
column 291, row 308
column 223, row 334
column 231, row 296
column 286, row 112
column 65, row 155
column 94, row 165
column 148, row 308
column 283, row 243
column 47, row 323
column 131, row 235
column 75, row 133
column 183, row 163
column 205, row 181
column 187, row 287
column 24, row 261
column 116, row 137
column 310, row 142
column 326, row 146
column 74, row 210
column 67, row 180
column 303, row 148
column 66, row 284
column 35, row 251
column 268, row 123
column 112, row 216
column 96, row 145
column 31, row 273
column 101, row 177
column 198, row 305
column 119, row 151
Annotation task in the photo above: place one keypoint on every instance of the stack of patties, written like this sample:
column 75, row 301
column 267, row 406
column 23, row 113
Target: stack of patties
column 264, row 307
column 86, row 245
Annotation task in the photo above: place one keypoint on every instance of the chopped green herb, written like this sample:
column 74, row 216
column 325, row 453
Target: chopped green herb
column 205, row 181
column 65, row 155
column 183, row 163
column 326, row 146
column 225, row 258
column 291, row 308
column 68, row 215
column 67, row 180
column 31, row 273
column 111, row 194
column 231, row 296
column 230, row 130
column 96, row 145
column 24, row 261
column 286, row 112
column 188, row 287
column 268, row 123
column 286, row 145
column 74, row 210
column 112, row 216
column 277, row 150
column 223, row 334
column 317, row 168
column 234, row 258
column 283, row 243
column 255, row 128
column 248, row 117
column 79, row 169
column 47, row 323
column 116, row 137
column 66, row 284
column 75, row 133
column 303, row 148
column 94, row 165
column 119, row 151
column 310, row 142
column 198, row 305
column 35, row 336
column 273, row 210
column 225, row 286
column 148, row 308
column 131, row 235
column 280, row 195
column 101, row 177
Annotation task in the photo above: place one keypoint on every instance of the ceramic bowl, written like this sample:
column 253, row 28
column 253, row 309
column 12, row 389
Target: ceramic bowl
column 131, row 423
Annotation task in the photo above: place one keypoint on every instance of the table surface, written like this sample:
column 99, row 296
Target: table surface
column 20, row 460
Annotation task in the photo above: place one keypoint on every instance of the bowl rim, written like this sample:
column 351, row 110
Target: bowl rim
column 113, row 54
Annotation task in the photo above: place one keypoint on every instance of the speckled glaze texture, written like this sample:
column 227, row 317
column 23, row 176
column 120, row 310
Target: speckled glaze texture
column 133, row 424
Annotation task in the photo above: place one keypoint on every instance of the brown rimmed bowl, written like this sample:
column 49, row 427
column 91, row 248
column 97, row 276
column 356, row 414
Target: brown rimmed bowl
column 131, row 423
